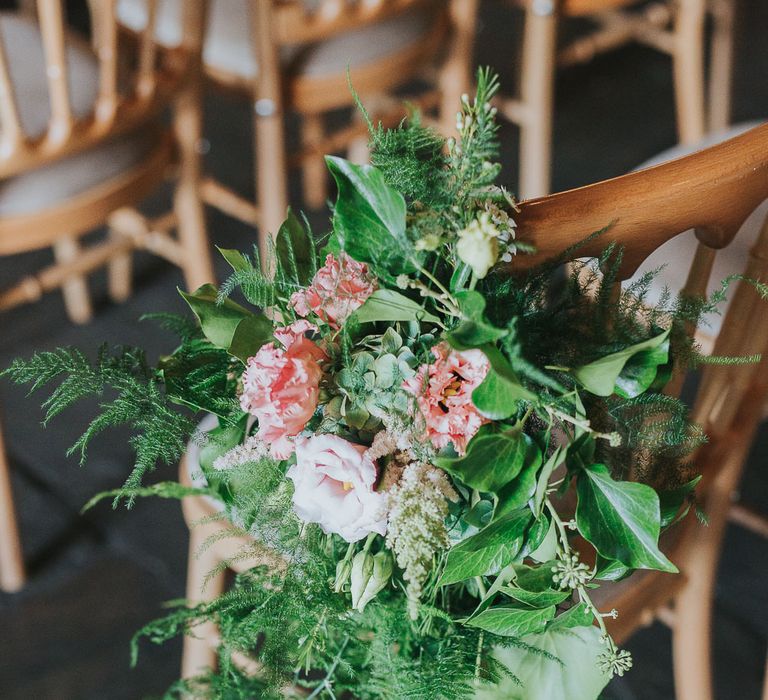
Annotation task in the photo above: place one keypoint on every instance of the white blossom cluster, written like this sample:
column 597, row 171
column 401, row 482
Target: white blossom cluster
column 418, row 507
column 253, row 449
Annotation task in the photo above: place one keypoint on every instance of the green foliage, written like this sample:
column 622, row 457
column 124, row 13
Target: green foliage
column 160, row 433
column 621, row 519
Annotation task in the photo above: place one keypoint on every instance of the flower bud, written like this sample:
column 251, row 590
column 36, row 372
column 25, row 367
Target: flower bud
column 370, row 574
column 343, row 572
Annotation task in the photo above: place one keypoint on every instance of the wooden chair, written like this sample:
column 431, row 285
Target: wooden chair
column 712, row 191
column 293, row 55
column 81, row 143
column 675, row 28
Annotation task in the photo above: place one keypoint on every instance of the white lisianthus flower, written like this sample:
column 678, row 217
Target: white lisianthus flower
column 478, row 245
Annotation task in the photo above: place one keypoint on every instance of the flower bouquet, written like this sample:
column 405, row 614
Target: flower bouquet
column 435, row 445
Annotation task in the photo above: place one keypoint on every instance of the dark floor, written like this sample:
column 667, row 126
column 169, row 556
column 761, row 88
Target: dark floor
column 94, row 579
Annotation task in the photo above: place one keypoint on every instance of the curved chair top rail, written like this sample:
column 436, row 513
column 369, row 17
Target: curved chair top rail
column 302, row 21
column 123, row 102
column 712, row 191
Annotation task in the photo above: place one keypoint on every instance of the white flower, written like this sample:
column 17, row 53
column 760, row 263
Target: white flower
column 416, row 530
column 333, row 486
column 478, row 245
column 254, row 449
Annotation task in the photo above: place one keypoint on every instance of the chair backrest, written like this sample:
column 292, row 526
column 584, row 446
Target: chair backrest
column 123, row 98
column 713, row 192
column 303, row 21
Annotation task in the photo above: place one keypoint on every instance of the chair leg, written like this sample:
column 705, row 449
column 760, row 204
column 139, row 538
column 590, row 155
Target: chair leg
column 187, row 203
column 455, row 77
column 721, row 64
column 11, row 560
column 688, row 68
column 200, row 642
column 537, row 94
column 313, row 168
column 269, row 148
column 119, row 273
column 77, row 299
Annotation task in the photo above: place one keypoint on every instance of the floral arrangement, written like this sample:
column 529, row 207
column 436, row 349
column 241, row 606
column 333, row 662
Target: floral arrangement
column 446, row 455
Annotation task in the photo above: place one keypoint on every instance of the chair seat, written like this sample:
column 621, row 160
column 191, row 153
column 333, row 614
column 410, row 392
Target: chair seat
column 676, row 255
column 48, row 186
column 228, row 47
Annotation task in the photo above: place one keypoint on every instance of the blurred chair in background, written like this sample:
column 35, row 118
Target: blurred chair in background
column 675, row 28
column 715, row 192
column 81, row 143
column 294, row 55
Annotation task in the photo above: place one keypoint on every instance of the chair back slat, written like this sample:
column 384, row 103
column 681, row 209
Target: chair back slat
column 11, row 133
column 712, row 191
column 105, row 41
column 146, row 77
column 134, row 91
column 51, row 17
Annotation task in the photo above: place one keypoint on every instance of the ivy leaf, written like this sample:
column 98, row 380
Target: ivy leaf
column 508, row 621
column 499, row 395
column 553, row 462
column 520, row 490
column 628, row 372
column 620, row 518
column 492, row 459
column 577, row 616
column 610, row 569
column 227, row 324
column 536, row 599
column 672, row 500
column 369, row 218
column 490, row 550
column 566, row 670
column 389, row 305
column 294, row 250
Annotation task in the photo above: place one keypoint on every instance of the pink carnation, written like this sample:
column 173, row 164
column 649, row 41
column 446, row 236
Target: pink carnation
column 443, row 392
column 280, row 386
column 334, row 484
column 338, row 289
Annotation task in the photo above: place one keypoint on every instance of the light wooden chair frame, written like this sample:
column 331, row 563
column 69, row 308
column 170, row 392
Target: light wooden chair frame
column 674, row 28
column 713, row 192
column 154, row 86
column 277, row 23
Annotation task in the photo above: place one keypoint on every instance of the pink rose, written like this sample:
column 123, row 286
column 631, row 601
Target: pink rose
column 280, row 386
column 338, row 289
column 443, row 392
column 333, row 486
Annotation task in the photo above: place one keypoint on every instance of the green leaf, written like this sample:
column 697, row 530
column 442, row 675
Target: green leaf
column 553, row 462
column 507, row 621
column 492, row 459
column 520, row 490
column 547, row 548
column 610, row 569
column 557, row 664
column 237, row 261
column 389, row 305
column 620, row 518
column 294, row 250
column 369, row 218
column 536, row 599
column 605, row 376
column 500, row 393
column 672, row 500
column 490, row 550
column 577, row 616
column 227, row 324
